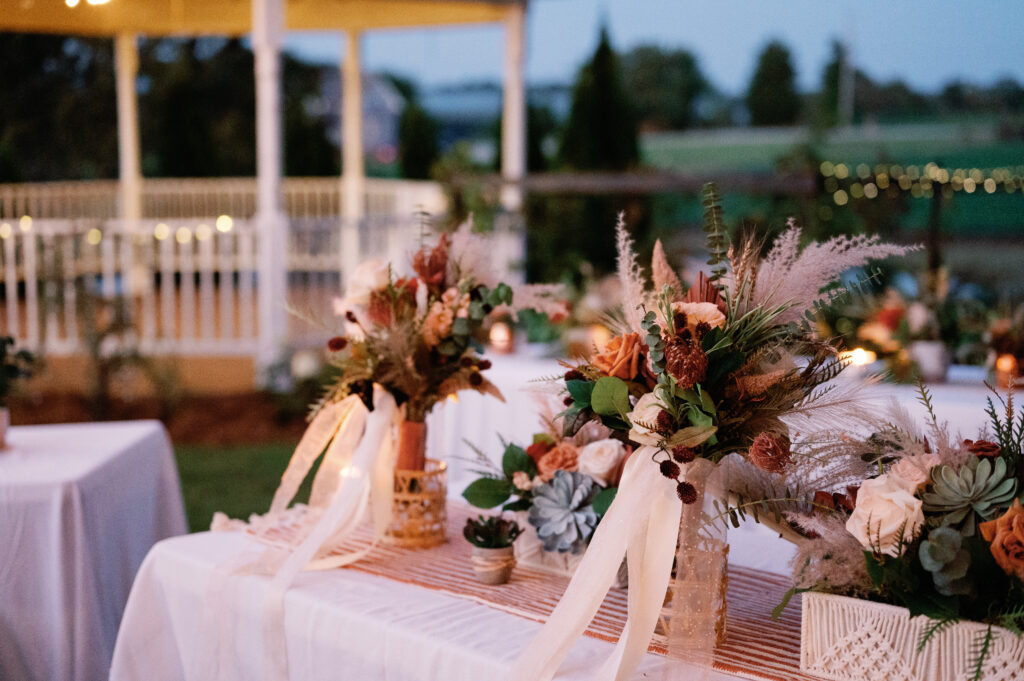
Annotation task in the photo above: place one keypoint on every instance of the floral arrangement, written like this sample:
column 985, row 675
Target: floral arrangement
column 564, row 485
column 415, row 335
column 711, row 369
column 937, row 528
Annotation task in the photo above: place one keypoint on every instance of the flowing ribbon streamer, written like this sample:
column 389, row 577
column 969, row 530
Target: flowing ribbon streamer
column 641, row 523
column 355, row 476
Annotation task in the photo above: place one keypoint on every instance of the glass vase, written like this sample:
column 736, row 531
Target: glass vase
column 697, row 605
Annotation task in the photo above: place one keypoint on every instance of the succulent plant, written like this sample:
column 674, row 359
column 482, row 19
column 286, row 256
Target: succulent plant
column 943, row 555
column 491, row 533
column 978, row 489
column 563, row 511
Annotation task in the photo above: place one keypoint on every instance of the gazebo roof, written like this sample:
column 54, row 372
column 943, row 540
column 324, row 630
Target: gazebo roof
column 234, row 17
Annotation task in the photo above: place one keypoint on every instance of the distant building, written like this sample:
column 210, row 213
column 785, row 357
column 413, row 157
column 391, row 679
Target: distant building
column 382, row 109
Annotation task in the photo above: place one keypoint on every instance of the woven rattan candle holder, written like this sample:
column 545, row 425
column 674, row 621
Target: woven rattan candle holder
column 419, row 515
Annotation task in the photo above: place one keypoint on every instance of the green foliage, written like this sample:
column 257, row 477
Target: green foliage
column 604, row 500
column 418, row 149
column 601, row 132
column 610, row 399
column 488, row 492
column 1008, row 428
column 55, row 89
column 664, row 86
column 772, row 98
column 494, row 532
column 715, row 233
column 15, row 366
column 515, row 460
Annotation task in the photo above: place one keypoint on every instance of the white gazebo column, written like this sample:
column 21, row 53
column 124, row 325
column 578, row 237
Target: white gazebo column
column 271, row 222
column 126, row 65
column 353, row 179
column 513, row 115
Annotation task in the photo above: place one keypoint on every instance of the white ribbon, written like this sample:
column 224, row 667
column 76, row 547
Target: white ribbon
column 356, row 475
column 641, row 523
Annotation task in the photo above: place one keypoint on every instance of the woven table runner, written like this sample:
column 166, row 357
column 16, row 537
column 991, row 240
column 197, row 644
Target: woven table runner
column 757, row 646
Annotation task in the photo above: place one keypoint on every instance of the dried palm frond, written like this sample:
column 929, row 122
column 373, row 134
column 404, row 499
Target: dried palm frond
column 663, row 274
column 634, row 296
column 797, row 278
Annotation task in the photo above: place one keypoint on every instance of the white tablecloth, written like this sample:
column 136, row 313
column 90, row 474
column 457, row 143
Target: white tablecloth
column 345, row 624
column 340, row 624
column 80, row 506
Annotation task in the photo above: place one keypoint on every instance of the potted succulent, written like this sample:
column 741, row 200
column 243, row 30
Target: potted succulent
column 14, row 366
column 492, row 538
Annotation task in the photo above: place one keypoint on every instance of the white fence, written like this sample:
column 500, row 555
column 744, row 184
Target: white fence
column 189, row 281
column 168, row 198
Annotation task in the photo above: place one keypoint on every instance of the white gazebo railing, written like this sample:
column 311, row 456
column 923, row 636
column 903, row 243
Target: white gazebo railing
column 210, row 197
column 190, row 278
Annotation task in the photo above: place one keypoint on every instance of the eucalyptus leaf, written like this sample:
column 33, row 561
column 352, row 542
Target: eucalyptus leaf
column 610, row 397
column 517, row 460
column 488, row 492
column 580, row 391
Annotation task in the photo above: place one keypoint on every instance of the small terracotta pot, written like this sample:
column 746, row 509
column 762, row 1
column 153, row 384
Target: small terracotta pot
column 493, row 566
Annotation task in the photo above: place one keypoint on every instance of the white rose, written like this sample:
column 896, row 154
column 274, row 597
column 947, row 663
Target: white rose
column 700, row 312
column 646, row 410
column 913, row 471
column 600, row 460
column 370, row 276
column 884, row 507
column 521, row 481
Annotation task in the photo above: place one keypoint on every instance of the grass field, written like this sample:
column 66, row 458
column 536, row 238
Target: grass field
column 237, row 480
column 951, row 145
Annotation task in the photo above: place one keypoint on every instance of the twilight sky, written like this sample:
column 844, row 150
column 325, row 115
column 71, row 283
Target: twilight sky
column 925, row 43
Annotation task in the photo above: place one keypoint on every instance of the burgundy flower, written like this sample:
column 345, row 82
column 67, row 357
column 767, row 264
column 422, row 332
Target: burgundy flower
column 983, row 449
column 683, row 454
column 770, row 452
column 686, row 492
column 670, row 469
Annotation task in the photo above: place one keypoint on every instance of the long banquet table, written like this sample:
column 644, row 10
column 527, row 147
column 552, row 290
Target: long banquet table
column 80, row 506
column 392, row 617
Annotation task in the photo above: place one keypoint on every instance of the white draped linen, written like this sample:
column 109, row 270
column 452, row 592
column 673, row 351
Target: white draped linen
column 80, row 506
column 346, row 624
column 339, row 624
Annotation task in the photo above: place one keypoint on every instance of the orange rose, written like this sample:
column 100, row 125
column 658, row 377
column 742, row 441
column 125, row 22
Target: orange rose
column 1006, row 537
column 621, row 357
column 562, row 457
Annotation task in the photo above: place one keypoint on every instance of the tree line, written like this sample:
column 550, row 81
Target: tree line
column 196, row 108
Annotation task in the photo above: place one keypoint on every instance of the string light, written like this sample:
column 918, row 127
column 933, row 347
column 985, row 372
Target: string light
column 864, row 182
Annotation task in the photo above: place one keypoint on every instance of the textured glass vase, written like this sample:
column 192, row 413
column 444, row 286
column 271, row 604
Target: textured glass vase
column 696, row 620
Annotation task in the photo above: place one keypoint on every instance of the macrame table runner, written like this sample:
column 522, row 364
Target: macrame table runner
column 757, row 647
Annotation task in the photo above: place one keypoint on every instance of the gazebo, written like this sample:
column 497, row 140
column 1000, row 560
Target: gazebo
column 267, row 21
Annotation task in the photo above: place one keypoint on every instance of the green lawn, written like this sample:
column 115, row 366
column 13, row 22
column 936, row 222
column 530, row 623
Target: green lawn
column 237, row 480
column 952, row 145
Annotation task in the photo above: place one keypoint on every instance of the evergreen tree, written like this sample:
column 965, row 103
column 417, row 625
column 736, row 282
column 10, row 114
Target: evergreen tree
column 600, row 133
column 772, row 98
column 830, row 86
column 417, row 141
column 664, row 86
